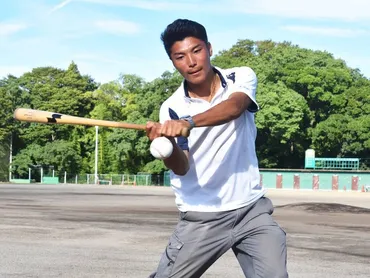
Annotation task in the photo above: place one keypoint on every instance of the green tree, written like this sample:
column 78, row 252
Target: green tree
column 328, row 87
column 308, row 99
column 281, row 123
column 58, row 155
column 56, row 90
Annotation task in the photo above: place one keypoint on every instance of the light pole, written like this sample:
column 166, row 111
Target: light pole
column 96, row 154
column 10, row 157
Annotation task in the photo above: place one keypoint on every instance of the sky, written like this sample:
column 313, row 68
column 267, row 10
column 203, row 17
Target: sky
column 107, row 38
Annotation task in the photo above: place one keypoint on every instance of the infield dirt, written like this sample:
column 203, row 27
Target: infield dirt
column 97, row 231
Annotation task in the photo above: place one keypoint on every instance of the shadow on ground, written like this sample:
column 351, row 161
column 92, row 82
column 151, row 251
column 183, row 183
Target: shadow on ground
column 326, row 207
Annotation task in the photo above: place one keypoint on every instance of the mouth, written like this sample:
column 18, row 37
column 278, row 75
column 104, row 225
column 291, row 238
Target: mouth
column 194, row 72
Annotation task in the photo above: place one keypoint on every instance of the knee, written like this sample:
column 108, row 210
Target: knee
column 276, row 262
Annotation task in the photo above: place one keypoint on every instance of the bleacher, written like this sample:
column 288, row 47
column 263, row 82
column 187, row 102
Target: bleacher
column 339, row 163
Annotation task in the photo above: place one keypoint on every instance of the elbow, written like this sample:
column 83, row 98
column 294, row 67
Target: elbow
column 236, row 109
column 182, row 171
column 235, row 113
column 238, row 105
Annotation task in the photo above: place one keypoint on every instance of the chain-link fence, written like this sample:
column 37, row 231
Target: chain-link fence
column 139, row 179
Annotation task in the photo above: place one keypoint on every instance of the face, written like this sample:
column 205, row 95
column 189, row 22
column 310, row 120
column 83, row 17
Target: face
column 191, row 57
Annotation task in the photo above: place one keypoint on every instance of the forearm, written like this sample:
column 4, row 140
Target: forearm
column 178, row 162
column 223, row 112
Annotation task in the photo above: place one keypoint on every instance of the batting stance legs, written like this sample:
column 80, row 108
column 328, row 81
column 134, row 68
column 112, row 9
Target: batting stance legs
column 200, row 238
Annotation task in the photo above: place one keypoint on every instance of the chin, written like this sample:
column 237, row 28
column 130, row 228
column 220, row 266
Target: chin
column 199, row 79
column 195, row 81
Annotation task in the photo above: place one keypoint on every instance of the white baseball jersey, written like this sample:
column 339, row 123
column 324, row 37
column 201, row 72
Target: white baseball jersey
column 224, row 173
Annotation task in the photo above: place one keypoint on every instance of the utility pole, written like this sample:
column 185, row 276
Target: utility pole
column 96, row 154
column 10, row 156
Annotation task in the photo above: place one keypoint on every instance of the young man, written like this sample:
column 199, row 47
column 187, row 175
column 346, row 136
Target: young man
column 214, row 172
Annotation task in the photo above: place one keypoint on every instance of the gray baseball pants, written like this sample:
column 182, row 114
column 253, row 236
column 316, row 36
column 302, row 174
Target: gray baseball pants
column 200, row 238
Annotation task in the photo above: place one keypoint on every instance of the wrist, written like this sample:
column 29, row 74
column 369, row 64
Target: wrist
column 190, row 121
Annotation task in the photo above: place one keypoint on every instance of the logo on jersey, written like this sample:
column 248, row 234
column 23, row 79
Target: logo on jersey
column 231, row 76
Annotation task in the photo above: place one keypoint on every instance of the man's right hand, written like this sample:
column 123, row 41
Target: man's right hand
column 170, row 128
column 178, row 162
column 153, row 130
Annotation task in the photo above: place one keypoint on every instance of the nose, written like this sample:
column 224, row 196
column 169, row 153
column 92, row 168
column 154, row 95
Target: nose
column 191, row 61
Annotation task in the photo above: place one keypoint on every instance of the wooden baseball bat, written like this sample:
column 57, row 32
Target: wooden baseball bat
column 46, row 117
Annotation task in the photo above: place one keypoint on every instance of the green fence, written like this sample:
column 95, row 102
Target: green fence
column 166, row 179
column 143, row 179
column 332, row 163
column 50, row 180
column 270, row 178
column 325, row 178
column 20, row 181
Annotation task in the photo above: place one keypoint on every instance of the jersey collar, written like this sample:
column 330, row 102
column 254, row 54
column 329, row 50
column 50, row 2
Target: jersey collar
column 223, row 81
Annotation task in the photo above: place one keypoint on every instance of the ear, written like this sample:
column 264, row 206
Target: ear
column 210, row 50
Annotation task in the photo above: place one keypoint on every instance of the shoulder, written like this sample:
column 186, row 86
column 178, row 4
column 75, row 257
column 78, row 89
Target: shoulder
column 174, row 99
column 172, row 103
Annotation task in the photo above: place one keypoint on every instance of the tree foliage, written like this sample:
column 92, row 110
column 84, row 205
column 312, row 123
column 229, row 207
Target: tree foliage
column 308, row 99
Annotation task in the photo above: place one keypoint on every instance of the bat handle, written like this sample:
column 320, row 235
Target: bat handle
column 185, row 132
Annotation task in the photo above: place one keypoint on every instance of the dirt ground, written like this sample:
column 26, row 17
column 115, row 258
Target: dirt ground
column 97, row 231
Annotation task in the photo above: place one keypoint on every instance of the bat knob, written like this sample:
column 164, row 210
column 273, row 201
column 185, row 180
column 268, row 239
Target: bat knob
column 185, row 132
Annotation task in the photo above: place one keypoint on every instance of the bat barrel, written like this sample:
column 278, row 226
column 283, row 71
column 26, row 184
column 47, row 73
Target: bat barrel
column 39, row 116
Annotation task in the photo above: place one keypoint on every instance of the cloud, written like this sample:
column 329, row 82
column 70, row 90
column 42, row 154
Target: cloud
column 105, row 67
column 150, row 5
column 97, row 58
column 327, row 9
column 7, row 29
column 319, row 9
column 117, row 27
column 326, row 31
column 13, row 70
column 60, row 6
column 360, row 62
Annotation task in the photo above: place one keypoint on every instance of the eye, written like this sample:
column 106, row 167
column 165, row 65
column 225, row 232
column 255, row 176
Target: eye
column 197, row 50
column 179, row 57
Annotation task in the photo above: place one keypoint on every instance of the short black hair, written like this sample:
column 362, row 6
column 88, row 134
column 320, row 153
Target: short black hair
column 181, row 29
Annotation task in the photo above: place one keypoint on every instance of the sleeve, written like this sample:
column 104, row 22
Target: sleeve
column 163, row 113
column 246, row 82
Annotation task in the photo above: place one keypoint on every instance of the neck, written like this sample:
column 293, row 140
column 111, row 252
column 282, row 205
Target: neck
column 205, row 90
